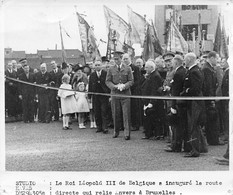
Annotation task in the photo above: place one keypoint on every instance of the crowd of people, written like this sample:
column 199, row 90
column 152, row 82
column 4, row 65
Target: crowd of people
column 105, row 94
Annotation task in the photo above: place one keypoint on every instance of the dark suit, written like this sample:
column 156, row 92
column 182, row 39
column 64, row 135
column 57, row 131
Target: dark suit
column 212, row 126
column 43, row 97
column 180, row 128
column 28, row 95
column 152, row 86
column 54, row 102
column 100, row 103
column 135, row 107
column 193, row 83
column 225, row 92
column 11, row 93
column 120, row 104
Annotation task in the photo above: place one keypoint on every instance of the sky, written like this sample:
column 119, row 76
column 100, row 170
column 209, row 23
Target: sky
column 31, row 25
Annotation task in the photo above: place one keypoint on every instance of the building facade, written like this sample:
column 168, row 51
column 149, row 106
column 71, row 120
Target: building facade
column 188, row 18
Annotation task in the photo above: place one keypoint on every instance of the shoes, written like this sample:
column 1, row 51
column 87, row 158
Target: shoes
column 222, row 161
column 145, row 137
column 115, row 136
column 220, row 142
column 171, row 150
column 67, row 128
column 191, row 155
column 105, row 131
column 94, row 125
column 134, row 128
column 81, row 126
column 99, row 130
column 127, row 137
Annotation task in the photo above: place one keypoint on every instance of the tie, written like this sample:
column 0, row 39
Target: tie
column 98, row 74
column 119, row 67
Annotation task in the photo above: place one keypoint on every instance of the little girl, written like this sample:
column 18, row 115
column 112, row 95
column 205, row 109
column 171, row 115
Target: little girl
column 82, row 103
column 68, row 103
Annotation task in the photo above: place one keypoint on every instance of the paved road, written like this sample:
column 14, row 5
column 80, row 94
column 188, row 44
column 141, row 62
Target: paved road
column 46, row 147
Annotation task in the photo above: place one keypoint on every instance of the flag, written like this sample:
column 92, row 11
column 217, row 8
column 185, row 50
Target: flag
column 151, row 43
column 128, row 49
column 88, row 40
column 217, row 39
column 224, row 53
column 176, row 42
column 62, row 45
column 138, row 26
column 117, row 29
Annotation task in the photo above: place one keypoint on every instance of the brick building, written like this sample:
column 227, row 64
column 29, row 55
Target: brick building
column 73, row 56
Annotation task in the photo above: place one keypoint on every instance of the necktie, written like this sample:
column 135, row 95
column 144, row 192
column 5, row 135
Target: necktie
column 119, row 67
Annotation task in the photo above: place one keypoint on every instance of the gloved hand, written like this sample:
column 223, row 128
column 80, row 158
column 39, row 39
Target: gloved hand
column 173, row 111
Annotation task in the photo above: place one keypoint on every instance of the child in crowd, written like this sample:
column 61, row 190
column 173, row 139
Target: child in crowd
column 68, row 103
column 82, row 103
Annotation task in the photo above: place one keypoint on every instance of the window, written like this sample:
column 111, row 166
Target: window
column 194, row 7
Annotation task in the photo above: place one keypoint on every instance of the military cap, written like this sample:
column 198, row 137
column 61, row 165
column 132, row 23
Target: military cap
column 168, row 56
column 117, row 53
column 104, row 59
column 23, row 59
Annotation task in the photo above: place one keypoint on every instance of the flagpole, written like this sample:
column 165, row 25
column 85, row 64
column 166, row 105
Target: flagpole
column 62, row 44
column 84, row 59
column 170, row 32
column 199, row 31
column 194, row 41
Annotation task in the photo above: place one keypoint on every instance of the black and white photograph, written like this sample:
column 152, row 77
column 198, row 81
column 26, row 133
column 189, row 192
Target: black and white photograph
column 117, row 86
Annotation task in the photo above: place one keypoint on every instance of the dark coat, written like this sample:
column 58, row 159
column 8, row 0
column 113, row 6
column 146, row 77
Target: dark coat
column 193, row 82
column 152, row 86
column 225, row 83
column 97, row 84
column 210, row 80
column 43, row 79
column 56, row 77
column 11, row 86
column 178, row 83
column 136, row 76
column 24, row 89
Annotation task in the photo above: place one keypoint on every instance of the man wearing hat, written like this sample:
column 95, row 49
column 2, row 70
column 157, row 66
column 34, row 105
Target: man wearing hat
column 135, row 113
column 27, row 94
column 24, row 62
column 119, row 79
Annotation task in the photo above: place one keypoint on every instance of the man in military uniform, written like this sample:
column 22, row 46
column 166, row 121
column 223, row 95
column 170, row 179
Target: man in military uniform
column 119, row 79
column 135, row 112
